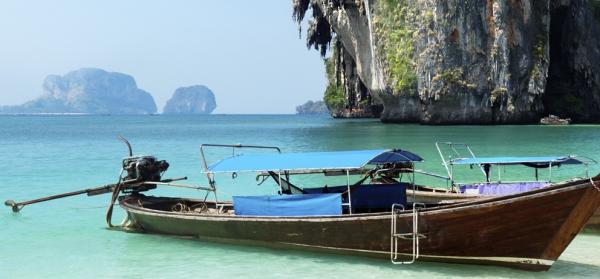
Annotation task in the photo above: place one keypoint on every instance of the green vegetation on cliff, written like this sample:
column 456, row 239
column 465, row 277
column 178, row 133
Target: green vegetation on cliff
column 394, row 23
column 454, row 76
column 334, row 93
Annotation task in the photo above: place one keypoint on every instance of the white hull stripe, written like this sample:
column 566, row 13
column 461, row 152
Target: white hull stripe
column 530, row 261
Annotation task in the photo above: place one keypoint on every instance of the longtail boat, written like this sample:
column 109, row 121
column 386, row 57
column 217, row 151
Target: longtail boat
column 526, row 230
column 492, row 185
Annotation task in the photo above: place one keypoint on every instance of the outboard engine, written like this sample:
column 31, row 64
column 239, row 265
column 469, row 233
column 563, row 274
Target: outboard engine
column 142, row 169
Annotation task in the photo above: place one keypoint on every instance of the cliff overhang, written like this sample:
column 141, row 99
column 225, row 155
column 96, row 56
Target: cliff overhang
column 456, row 61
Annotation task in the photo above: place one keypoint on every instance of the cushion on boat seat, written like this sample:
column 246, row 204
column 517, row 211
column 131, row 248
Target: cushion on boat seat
column 501, row 189
column 368, row 196
column 378, row 196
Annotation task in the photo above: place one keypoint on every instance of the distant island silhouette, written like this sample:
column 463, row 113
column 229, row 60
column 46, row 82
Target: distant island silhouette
column 196, row 99
column 312, row 108
column 96, row 91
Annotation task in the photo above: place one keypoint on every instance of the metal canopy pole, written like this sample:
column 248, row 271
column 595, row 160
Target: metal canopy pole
column 444, row 162
column 349, row 195
column 473, row 156
column 587, row 171
column 413, row 183
column 452, row 179
column 499, row 173
column 280, row 185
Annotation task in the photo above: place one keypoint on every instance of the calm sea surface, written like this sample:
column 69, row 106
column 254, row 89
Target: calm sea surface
column 43, row 155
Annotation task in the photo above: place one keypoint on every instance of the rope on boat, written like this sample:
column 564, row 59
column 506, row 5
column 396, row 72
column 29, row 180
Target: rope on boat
column 179, row 207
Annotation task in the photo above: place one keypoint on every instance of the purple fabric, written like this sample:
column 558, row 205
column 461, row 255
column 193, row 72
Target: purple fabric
column 501, row 189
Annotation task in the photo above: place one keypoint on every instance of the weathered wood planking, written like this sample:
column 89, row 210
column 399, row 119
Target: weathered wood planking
column 528, row 230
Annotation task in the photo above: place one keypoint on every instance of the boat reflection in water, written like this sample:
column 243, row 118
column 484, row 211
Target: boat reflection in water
column 372, row 215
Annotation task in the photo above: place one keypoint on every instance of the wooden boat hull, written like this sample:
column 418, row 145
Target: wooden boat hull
column 449, row 197
column 528, row 230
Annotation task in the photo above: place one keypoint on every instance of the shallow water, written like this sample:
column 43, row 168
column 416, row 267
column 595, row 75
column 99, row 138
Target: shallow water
column 45, row 155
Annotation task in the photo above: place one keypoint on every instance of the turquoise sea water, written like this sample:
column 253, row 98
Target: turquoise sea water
column 43, row 155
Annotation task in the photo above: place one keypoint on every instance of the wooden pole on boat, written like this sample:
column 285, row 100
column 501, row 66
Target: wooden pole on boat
column 17, row 206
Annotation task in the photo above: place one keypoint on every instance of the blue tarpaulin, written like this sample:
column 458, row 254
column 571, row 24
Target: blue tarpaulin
column 378, row 196
column 336, row 160
column 288, row 205
column 516, row 160
column 369, row 196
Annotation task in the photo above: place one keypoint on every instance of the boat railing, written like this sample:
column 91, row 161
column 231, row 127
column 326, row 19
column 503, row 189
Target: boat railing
column 210, row 175
column 233, row 148
column 447, row 163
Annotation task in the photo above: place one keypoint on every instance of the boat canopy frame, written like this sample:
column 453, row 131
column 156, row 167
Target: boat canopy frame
column 485, row 163
column 290, row 163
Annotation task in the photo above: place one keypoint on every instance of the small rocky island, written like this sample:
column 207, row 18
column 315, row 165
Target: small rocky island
column 197, row 99
column 312, row 108
column 89, row 91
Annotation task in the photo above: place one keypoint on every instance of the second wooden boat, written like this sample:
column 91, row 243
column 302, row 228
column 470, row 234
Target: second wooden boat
column 490, row 186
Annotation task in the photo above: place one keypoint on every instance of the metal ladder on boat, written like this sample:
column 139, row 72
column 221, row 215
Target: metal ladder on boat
column 396, row 236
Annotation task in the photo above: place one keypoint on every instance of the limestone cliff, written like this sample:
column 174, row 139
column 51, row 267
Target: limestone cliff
column 458, row 61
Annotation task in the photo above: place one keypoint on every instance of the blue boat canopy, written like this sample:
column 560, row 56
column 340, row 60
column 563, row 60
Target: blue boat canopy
column 528, row 161
column 336, row 160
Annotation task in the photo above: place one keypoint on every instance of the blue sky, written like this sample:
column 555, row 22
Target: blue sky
column 247, row 52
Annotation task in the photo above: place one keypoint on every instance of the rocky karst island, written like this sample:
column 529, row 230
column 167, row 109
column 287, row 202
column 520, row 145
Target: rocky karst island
column 312, row 108
column 96, row 91
column 197, row 99
column 91, row 91
column 456, row 61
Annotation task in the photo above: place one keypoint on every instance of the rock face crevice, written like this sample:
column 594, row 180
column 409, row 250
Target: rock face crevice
column 465, row 61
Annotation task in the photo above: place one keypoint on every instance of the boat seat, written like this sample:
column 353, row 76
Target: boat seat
column 368, row 196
